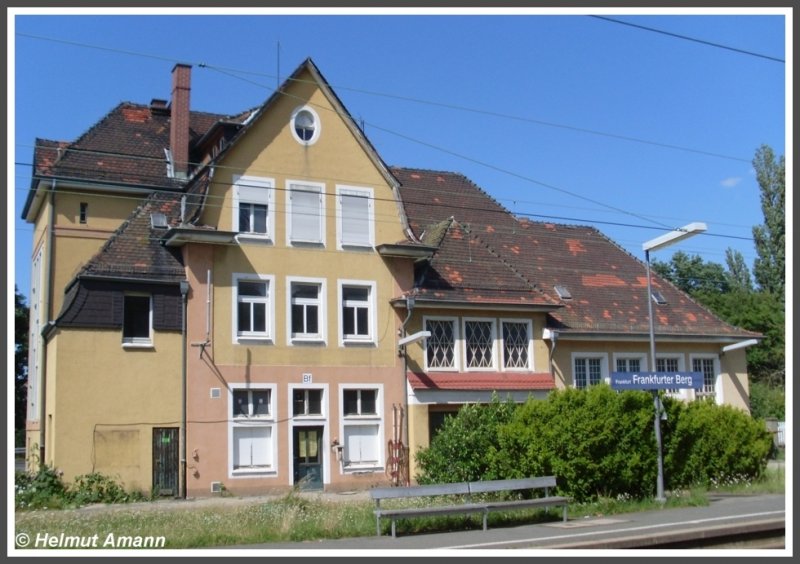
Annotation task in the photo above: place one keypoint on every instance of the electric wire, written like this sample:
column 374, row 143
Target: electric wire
column 392, row 218
column 470, row 159
column 159, row 179
column 230, row 72
column 687, row 38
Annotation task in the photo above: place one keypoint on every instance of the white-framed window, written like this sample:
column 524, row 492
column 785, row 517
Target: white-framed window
column 252, row 432
column 306, row 307
column 354, row 217
column 137, row 320
column 305, row 125
column 517, row 343
column 305, row 212
column 589, row 369
column 253, row 307
column 361, row 416
column 308, row 401
column 253, row 208
column 479, row 343
column 625, row 362
column 708, row 365
column 357, row 312
column 441, row 348
column 670, row 363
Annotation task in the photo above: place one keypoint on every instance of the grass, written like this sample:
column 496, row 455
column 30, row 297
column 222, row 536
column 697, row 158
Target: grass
column 295, row 518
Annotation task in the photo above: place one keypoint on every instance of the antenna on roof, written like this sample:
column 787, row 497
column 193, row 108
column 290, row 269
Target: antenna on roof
column 278, row 75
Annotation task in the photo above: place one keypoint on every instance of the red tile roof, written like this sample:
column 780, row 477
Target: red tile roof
column 608, row 284
column 125, row 147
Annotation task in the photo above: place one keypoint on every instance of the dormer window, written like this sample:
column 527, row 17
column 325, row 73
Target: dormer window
column 305, row 125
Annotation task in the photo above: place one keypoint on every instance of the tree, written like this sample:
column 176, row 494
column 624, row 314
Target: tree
column 770, row 237
column 738, row 273
column 755, row 311
column 693, row 274
column 20, row 359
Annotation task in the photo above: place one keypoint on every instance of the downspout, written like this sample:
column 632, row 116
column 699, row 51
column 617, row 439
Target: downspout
column 409, row 307
column 184, row 293
column 42, row 391
column 552, row 335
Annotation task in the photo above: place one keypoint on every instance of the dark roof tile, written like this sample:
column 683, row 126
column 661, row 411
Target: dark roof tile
column 505, row 255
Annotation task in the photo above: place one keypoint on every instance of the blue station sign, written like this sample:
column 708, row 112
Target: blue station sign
column 656, row 380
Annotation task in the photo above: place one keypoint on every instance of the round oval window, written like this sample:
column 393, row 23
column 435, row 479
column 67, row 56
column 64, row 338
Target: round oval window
column 306, row 126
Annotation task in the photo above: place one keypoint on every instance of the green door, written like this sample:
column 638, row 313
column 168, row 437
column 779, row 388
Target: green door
column 165, row 461
column 308, row 458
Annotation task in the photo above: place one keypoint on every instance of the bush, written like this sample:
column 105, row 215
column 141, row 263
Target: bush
column 711, row 444
column 46, row 490
column 97, row 488
column 597, row 442
column 42, row 490
column 767, row 402
column 462, row 448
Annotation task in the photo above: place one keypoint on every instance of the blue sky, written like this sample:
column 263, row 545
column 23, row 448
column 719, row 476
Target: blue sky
column 559, row 115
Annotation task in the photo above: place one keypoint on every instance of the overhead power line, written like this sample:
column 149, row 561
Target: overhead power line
column 704, row 42
column 236, row 73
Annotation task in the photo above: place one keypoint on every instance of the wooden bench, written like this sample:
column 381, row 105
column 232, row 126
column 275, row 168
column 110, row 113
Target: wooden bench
column 463, row 503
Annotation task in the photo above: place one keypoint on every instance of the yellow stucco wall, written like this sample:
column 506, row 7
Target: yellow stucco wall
column 108, row 400
column 733, row 388
column 75, row 243
column 269, row 151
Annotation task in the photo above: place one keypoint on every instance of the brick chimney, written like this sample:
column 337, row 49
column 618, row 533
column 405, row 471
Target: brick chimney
column 179, row 120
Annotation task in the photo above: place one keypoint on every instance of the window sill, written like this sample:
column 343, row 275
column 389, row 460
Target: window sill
column 253, row 339
column 253, row 472
column 309, row 243
column 363, row 248
column 307, row 341
column 148, row 345
column 358, row 343
column 254, row 238
column 367, row 469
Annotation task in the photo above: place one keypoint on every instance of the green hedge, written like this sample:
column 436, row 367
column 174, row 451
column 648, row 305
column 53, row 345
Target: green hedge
column 711, row 444
column 598, row 442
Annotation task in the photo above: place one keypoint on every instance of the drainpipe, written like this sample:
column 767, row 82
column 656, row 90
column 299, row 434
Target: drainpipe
column 409, row 307
column 184, row 294
column 552, row 335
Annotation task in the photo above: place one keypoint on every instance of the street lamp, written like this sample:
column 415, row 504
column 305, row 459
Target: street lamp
column 653, row 245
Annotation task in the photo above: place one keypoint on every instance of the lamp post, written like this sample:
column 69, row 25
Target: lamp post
column 653, row 245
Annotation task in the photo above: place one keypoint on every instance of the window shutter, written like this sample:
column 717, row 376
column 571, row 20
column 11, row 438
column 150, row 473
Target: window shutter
column 355, row 219
column 306, row 216
column 253, row 194
column 361, row 442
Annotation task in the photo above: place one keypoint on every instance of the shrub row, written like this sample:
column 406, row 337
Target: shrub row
column 599, row 443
